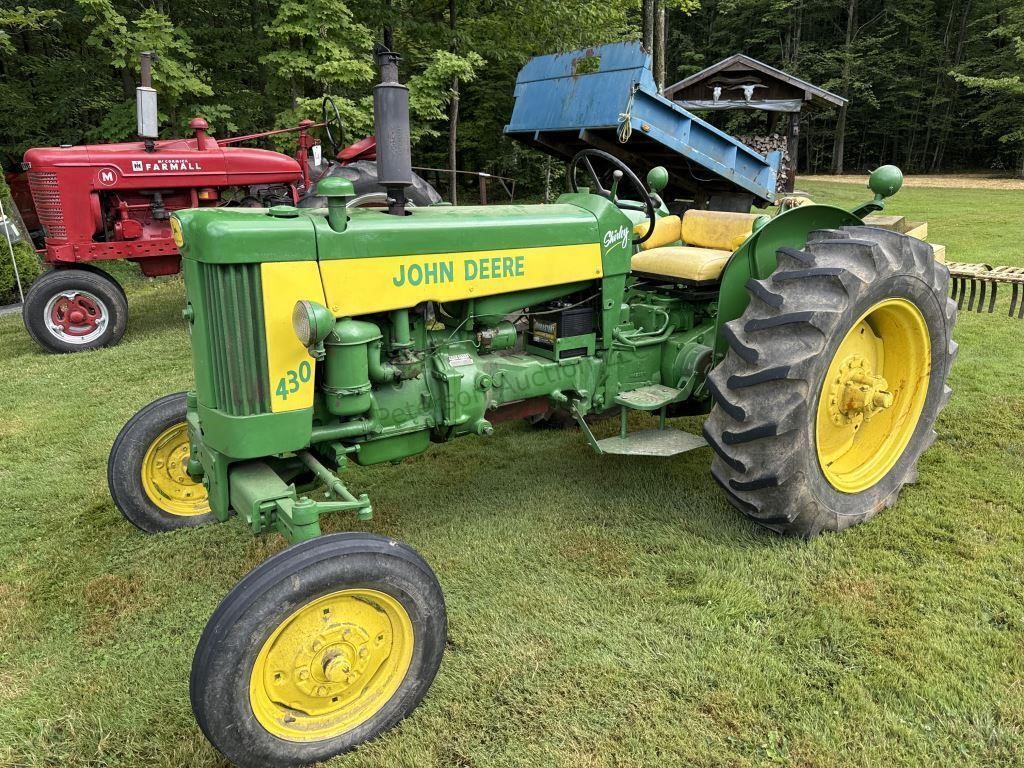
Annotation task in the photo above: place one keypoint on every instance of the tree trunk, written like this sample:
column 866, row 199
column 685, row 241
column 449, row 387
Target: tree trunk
column 659, row 44
column 453, row 117
column 838, row 145
column 940, row 147
column 453, row 128
column 648, row 24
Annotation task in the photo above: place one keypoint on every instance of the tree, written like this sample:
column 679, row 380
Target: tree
column 176, row 77
column 998, row 79
column 22, row 19
column 320, row 49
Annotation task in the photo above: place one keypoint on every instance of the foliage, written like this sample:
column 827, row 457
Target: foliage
column 931, row 83
column 29, row 265
column 178, row 80
column 319, row 49
column 898, row 70
column 998, row 79
column 22, row 19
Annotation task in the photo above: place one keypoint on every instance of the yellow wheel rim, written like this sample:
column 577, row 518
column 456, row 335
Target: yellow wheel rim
column 873, row 395
column 331, row 665
column 164, row 478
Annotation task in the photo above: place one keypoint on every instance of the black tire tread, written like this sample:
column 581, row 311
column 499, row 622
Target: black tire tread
column 221, row 636
column 764, row 388
column 129, row 498
column 85, row 277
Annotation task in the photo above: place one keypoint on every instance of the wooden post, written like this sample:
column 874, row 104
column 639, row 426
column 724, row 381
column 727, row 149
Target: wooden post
column 793, row 143
column 483, row 188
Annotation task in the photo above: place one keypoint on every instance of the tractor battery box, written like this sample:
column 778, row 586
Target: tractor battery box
column 562, row 333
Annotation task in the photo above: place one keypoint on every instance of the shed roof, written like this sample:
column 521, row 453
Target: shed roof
column 741, row 62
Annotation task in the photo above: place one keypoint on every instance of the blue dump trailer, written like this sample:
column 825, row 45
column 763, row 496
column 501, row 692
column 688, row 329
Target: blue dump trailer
column 605, row 98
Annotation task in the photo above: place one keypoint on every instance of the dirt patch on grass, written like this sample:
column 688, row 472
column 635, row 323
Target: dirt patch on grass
column 108, row 599
column 949, row 181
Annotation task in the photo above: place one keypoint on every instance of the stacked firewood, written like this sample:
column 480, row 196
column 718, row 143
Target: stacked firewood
column 765, row 144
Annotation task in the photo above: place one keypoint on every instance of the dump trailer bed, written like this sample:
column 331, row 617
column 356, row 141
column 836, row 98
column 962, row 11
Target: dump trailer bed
column 605, row 97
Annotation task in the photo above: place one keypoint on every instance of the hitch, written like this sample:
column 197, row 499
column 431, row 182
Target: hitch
column 266, row 502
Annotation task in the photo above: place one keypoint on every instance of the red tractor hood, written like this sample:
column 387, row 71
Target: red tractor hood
column 172, row 163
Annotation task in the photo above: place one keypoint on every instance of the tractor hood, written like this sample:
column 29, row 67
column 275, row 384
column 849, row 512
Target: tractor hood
column 175, row 163
column 379, row 262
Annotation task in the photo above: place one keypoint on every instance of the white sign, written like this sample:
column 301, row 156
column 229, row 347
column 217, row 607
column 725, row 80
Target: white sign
column 168, row 165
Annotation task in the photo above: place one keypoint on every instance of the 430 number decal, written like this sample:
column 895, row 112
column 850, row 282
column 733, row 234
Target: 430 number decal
column 290, row 383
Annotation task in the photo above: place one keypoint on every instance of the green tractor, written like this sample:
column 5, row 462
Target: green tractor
column 820, row 348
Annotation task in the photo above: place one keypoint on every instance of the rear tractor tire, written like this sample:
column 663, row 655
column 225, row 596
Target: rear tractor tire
column 834, row 378
column 318, row 649
column 72, row 309
column 146, row 470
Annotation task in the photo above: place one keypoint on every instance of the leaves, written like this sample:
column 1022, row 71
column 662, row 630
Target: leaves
column 931, row 83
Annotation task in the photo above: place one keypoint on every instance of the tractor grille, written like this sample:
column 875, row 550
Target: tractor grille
column 237, row 348
column 46, row 197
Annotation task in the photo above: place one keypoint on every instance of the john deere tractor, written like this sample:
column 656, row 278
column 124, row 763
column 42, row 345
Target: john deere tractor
column 819, row 347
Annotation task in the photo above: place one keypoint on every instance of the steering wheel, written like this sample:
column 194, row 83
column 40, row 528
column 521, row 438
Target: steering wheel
column 339, row 128
column 621, row 170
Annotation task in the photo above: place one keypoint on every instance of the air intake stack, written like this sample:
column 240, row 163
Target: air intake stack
column 391, row 127
column 145, row 102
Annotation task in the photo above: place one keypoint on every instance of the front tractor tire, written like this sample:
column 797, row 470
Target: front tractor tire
column 834, row 378
column 146, row 470
column 73, row 309
column 318, row 649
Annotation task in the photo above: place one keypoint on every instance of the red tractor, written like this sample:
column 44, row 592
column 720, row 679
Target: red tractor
column 114, row 201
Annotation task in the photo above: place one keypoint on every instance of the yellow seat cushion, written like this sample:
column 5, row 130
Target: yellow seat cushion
column 684, row 262
column 666, row 232
column 721, row 230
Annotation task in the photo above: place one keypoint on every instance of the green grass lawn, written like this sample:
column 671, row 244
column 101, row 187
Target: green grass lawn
column 603, row 611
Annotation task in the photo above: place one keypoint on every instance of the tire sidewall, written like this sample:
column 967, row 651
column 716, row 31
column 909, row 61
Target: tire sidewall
column 884, row 492
column 124, row 467
column 229, row 647
column 92, row 280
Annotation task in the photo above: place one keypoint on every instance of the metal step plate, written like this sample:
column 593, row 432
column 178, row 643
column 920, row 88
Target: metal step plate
column 652, row 442
column 647, row 398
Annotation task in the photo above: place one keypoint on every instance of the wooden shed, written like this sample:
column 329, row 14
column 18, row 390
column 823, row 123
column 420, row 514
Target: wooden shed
column 742, row 82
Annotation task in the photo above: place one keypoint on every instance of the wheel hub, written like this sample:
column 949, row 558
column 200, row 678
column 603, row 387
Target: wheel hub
column 76, row 317
column 329, row 670
column 165, row 478
column 872, row 396
column 331, row 665
column 857, row 394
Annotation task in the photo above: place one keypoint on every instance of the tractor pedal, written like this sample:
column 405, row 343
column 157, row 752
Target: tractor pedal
column 649, row 398
column 651, row 442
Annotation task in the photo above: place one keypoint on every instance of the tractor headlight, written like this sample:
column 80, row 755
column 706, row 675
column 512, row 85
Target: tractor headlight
column 312, row 322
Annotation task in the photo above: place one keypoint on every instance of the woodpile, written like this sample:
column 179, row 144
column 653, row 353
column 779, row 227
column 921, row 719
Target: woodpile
column 765, row 144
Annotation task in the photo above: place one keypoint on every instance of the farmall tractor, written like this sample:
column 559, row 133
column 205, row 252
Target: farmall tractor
column 819, row 347
column 100, row 202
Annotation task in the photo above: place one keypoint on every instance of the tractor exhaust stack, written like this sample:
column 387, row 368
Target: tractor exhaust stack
column 145, row 102
column 391, row 127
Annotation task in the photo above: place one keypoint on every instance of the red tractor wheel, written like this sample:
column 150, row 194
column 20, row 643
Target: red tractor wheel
column 71, row 310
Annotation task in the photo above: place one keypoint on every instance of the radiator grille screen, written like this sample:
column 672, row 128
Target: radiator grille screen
column 46, row 197
column 237, row 347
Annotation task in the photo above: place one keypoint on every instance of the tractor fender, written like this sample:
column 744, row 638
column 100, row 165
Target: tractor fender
column 756, row 257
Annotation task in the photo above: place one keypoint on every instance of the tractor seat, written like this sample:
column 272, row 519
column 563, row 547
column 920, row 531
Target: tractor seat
column 710, row 238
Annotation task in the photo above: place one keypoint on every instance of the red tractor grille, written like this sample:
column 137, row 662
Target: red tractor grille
column 46, row 197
